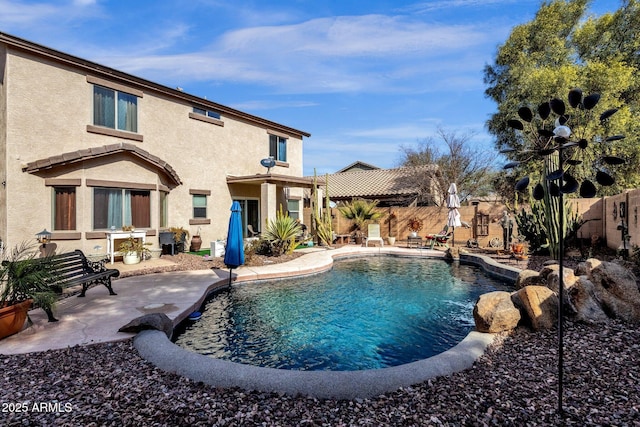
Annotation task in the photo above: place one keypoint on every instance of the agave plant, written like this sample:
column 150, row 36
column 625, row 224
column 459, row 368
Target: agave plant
column 281, row 233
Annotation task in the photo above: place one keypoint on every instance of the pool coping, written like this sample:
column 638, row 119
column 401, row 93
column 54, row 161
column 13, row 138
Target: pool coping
column 156, row 347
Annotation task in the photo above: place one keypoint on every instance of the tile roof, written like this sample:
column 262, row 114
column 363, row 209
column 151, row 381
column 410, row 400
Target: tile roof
column 377, row 182
column 357, row 165
column 105, row 150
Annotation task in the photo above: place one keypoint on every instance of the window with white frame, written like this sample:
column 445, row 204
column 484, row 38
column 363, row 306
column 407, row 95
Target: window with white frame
column 115, row 207
column 115, row 109
column 199, row 206
column 207, row 113
column 293, row 207
column 278, row 147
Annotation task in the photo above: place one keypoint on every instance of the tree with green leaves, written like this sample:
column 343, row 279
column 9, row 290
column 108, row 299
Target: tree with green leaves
column 561, row 49
column 460, row 162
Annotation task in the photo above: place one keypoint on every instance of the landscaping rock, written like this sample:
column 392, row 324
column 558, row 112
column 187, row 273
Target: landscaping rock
column 495, row 312
column 539, row 306
column 529, row 277
column 583, row 303
column 617, row 291
column 157, row 321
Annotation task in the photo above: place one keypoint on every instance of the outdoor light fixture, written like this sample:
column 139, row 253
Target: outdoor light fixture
column 43, row 237
column 559, row 151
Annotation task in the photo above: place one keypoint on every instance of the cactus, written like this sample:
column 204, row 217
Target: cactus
column 554, row 207
column 321, row 225
column 532, row 228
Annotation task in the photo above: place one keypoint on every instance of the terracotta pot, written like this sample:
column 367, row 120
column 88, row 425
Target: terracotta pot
column 12, row 318
column 196, row 243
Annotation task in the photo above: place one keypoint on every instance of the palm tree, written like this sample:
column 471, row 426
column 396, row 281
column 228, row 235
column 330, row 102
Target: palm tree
column 360, row 211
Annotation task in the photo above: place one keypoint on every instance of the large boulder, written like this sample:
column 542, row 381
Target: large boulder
column 617, row 291
column 495, row 312
column 157, row 321
column 528, row 278
column 583, row 303
column 539, row 305
column 552, row 276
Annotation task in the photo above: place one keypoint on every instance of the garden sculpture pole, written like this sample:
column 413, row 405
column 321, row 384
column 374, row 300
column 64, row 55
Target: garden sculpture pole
column 552, row 146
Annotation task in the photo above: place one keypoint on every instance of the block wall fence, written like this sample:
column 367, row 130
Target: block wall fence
column 604, row 215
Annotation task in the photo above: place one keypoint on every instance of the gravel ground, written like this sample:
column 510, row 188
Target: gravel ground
column 514, row 383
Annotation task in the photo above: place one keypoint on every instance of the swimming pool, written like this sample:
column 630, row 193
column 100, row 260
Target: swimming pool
column 364, row 313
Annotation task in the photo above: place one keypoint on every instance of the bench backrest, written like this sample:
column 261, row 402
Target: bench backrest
column 69, row 266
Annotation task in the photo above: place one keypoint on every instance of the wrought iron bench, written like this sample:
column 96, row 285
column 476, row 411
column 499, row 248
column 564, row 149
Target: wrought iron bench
column 73, row 268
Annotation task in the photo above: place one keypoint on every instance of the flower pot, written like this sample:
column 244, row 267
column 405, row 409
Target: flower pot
column 392, row 240
column 12, row 318
column 130, row 258
column 155, row 253
column 518, row 248
column 196, row 243
column 414, row 234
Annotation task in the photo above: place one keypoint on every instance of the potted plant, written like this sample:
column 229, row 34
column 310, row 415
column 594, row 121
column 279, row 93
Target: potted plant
column 196, row 241
column 23, row 282
column 133, row 250
column 414, row 225
column 180, row 235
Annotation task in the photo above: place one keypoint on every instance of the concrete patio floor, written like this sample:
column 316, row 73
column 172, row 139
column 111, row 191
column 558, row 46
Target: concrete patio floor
column 97, row 317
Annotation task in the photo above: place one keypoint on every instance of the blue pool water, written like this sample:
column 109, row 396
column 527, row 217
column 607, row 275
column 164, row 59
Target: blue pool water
column 364, row 313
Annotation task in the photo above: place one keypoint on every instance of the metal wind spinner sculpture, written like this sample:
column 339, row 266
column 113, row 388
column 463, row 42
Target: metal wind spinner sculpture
column 557, row 147
column 562, row 146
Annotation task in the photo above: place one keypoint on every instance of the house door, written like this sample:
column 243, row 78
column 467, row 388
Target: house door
column 250, row 214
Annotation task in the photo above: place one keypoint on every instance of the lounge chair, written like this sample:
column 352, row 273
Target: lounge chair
column 441, row 238
column 373, row 234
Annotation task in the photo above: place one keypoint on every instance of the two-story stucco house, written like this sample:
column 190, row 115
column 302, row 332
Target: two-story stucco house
column 85, row 149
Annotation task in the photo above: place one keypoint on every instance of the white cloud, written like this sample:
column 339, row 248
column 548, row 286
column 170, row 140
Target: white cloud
column 14, row 13
column 271, row 104
column 432, row 6
column 372, row 53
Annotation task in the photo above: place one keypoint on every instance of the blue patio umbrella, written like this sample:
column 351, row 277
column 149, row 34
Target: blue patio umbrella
column 234, row 251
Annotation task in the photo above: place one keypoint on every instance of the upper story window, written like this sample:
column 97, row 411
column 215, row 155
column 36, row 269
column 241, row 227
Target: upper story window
column 278, row 148
column 207, row 113
column 115, row 109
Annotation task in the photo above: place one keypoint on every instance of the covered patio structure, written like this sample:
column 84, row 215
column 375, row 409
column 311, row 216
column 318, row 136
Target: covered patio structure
column 271, row 191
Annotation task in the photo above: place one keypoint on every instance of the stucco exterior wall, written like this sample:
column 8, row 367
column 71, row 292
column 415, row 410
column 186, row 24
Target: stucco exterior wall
column 3, row 142
column 47, row 110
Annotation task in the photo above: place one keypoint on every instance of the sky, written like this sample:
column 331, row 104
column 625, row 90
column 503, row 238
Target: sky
column 364, row 77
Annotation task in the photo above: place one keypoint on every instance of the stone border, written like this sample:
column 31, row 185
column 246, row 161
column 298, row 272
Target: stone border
column 155, row 347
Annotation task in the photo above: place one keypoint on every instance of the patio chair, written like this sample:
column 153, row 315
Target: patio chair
column 373, row 234
column 441, row 238
column 251, row 232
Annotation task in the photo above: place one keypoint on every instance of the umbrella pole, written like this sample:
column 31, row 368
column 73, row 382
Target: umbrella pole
column 230, row 270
